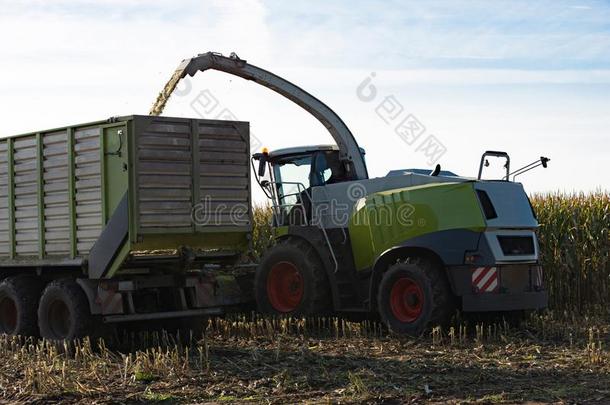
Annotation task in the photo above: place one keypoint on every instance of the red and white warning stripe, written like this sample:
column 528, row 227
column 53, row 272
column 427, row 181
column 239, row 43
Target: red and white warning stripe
column 485, row 279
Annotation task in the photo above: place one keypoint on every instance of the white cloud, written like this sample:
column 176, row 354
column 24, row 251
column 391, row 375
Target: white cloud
column 516, row 77
column 64, row 64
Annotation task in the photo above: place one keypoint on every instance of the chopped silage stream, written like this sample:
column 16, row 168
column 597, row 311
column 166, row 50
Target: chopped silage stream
column 166, row 93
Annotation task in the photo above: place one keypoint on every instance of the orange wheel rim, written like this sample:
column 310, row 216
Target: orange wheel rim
column 285, row 287
column 406, row 300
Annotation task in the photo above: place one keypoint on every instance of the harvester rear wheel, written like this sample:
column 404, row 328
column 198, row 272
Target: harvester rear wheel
column 291, row 281
column 18, row 303
column 63, row 312
column 414, row 295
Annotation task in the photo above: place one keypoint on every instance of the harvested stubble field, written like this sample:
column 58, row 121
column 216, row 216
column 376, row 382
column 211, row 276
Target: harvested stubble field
column 321, row 361
column 558, row 356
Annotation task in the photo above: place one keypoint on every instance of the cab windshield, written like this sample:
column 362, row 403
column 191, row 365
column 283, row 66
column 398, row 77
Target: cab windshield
column 297, row 174
column 292, row 178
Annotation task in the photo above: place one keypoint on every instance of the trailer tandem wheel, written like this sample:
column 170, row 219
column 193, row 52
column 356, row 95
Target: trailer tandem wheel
column 63, row 311
column 18, row 304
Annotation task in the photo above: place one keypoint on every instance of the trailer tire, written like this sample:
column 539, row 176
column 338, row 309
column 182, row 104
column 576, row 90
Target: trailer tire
column 18, row 305
column 63, row 311
column 291, row 280
column 414, row 295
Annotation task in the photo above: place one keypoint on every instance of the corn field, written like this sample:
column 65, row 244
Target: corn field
column 574, row 239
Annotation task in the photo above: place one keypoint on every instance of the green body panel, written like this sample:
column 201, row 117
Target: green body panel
column 388, row 218
column 11, row 198
column 281, row 231
column 71, row 193
column 115, row 163
column 205, row 242
column 79, row 174
column 121, row 256
column 40, row 195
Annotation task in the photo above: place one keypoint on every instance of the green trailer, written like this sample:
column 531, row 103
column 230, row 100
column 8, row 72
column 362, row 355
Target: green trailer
column 131, row 218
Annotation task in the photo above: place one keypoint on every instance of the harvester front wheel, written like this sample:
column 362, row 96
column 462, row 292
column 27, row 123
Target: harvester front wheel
column 291, row 281
column 18, row 303
column 412, row 296
column 63, row 312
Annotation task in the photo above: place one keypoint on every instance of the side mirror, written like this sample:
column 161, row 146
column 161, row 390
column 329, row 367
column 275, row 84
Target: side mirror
column 262, row 166
column 262, row 162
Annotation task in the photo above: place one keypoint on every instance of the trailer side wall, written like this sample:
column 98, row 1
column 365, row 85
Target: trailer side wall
column 59, row 188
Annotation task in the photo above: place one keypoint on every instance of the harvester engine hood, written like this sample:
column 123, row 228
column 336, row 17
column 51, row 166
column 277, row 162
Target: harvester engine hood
column 505, row 205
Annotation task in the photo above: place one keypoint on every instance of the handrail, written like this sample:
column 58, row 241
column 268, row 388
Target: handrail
column 277, row 208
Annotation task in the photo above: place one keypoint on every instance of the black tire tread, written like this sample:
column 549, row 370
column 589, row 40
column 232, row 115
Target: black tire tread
column 76, row 301
column 321, row 300
column 443, row 301
column 26, row 291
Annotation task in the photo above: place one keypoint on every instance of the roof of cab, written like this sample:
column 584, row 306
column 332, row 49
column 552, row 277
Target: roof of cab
column 301, row 150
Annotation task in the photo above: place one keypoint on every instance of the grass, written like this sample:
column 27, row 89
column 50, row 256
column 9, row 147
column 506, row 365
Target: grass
column 142, row 376
column 150, row 396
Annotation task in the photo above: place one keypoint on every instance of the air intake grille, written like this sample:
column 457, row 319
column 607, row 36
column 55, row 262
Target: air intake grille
column 517, row 245
column 488, row 207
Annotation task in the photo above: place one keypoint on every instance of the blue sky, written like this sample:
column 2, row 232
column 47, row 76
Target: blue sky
column 450, row 34
column 532, row 78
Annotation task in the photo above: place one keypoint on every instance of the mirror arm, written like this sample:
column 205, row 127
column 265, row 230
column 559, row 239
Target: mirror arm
column 262, row 183
column 543, row 161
